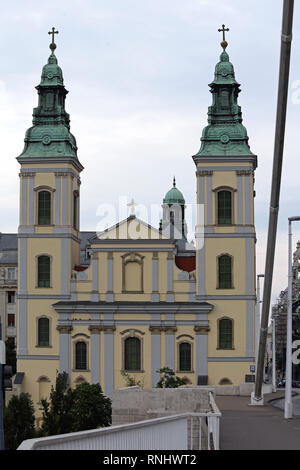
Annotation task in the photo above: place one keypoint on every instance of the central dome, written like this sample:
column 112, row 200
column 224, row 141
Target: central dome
column 174, row 196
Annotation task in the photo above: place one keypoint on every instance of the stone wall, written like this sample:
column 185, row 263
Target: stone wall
column 134, row 404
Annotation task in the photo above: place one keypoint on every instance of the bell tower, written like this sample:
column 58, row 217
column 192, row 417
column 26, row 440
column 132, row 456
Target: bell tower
column 49, row 227
column 226, row 243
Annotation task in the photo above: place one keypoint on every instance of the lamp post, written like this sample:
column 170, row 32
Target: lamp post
column 257, row 315
column 288, row 405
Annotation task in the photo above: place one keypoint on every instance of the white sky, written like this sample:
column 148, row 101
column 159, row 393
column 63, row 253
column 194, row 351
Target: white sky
column 137, row 72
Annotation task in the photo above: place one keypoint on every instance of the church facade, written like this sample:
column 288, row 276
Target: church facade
column 130, row 304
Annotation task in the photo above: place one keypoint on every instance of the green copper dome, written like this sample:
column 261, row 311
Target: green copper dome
column 225, row 134
column 52, row 73
column 50, row 135
column 174, row 196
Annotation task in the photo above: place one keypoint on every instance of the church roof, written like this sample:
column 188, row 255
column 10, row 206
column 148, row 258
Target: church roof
column 131, row 229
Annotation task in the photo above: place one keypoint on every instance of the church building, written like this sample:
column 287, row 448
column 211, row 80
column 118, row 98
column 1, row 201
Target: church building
column 96, row 305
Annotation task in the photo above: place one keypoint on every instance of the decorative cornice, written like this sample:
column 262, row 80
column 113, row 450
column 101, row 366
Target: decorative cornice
column 27, row 175
column 154, row 329
column 201, row 329
column 64, row 329
column 204, row 173
column 244, row 172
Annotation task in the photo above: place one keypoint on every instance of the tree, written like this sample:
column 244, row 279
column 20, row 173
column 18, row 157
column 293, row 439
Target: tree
column 57, row 417
column 18, row 421
column 169, row 379
column 72, row 410
column 91, row 409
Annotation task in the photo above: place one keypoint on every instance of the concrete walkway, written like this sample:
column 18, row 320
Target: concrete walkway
column 245, row 427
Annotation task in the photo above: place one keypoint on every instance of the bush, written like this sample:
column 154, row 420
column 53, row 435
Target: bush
column 169, row 379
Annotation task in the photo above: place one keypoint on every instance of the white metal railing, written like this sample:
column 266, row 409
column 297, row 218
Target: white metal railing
column 189, row 431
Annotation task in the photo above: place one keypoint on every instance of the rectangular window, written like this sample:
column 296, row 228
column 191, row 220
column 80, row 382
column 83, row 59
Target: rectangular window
column 11, row 297
column 225, row 272
column 44, row 208
column 11, row 319
column 225, row 332
column 11, row 273
column 43, row 271
column 224, row 208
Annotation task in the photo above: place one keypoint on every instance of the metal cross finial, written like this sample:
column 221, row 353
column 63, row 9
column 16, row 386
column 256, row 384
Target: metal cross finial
column 52, row 45
column 132, row 205
column 224, row 43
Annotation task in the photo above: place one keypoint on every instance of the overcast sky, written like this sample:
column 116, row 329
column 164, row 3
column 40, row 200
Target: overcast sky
column 137, row 72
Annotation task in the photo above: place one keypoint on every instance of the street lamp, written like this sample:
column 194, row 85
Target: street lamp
column 288, row 405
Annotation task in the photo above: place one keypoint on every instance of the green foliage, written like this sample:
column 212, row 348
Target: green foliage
column 57, row 417
column 71, row 410
column 131, row 381
column 18, row 421
column 91, row 409
column 168, row 379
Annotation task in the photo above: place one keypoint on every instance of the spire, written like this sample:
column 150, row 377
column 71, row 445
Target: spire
column 50, row 134
column 225, row 134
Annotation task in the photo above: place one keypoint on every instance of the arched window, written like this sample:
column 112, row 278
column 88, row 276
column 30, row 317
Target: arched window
column 225, row 272
column 43, row 271
column 185, row 357
column 132, row 354
column 43, row 331
column 44, row 208
column 80, row 356
column 224, row 207
column 225, row 333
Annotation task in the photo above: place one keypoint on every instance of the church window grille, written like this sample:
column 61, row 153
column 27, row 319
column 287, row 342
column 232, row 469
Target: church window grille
column 43, row 271
column 132, row 354
column 185, row 357
column 225, row 272
column 44, row 208
column 224, row 208
column 225, row 333
column 43, row 331
column 80, row 356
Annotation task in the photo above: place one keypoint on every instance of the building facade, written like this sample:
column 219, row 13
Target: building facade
column 8, row 286
column 135, row 298
column 279, row 315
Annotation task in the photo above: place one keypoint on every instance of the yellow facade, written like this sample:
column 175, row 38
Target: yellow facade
column 136, row 303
